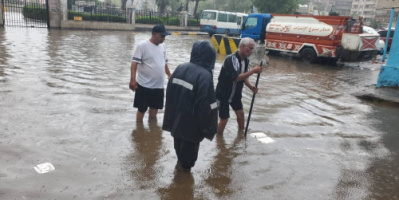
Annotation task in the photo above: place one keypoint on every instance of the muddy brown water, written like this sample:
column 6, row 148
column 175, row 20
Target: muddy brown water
column 64, row 99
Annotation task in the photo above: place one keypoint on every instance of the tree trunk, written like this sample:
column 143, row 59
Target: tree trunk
column 123, row 6
column 195, row 8
column 186, row 8
column 161, row 7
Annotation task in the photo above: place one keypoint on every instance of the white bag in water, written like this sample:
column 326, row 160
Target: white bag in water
column 44, row 168
column 262, row 138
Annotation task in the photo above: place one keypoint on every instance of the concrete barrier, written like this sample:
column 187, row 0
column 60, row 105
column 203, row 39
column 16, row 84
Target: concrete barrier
column 224, row 45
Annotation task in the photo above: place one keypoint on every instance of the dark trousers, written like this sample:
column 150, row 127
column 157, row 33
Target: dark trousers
column 186, row 151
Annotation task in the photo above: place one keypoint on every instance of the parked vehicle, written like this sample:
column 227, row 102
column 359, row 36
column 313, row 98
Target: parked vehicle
column 381, row 43
column 312, row 36
column 383, row 34
column 221, row 22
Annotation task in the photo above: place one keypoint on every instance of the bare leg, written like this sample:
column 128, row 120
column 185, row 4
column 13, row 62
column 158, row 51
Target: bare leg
column 139, row 116
column 222, row 125
column 153, row 113
column 240, row 118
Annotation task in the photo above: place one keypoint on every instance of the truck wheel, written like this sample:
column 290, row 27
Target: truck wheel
column 227, row 32
column 308, row 55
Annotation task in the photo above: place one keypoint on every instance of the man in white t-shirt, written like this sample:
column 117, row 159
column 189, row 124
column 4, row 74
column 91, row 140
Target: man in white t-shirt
column 148, row 69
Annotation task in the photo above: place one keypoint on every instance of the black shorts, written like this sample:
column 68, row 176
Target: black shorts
column 224, row 110
column 147, row 97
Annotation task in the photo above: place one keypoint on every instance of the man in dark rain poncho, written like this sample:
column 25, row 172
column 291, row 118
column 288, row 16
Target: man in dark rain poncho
column 191, row 108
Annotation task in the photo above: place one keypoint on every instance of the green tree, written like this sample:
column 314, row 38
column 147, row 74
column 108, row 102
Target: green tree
column 233, row 5
column 276, row 6
column 174, row 5
column 70, row 3
column 123, row 5
column 375, row 23
column 162, row 6
column 226, row 5
column 196, row 6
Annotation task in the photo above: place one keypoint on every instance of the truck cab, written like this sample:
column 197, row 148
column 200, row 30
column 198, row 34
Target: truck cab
column 255, row 26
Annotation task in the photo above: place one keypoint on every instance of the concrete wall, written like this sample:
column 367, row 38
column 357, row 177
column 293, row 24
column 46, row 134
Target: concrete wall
column 1, row 15
column 55, row 13
column 93, row 25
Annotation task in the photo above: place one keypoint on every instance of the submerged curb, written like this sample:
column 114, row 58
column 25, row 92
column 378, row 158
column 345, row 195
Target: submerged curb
column 381, row 95
column 189, row 33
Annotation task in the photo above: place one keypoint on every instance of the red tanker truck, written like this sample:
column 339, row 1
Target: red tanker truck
column 312, row 37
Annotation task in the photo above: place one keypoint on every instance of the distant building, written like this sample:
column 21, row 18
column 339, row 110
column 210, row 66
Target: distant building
column 374, row 9
column 303, row 9
column 342, row 7
column 314, row 7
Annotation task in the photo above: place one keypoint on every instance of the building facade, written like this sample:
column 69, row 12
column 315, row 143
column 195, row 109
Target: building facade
column 379, row 10
column 342, row 7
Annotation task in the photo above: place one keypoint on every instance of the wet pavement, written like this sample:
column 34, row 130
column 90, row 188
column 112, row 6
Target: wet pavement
column 64, row 99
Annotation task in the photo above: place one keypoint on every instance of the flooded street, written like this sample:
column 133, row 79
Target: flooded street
column 64, row 99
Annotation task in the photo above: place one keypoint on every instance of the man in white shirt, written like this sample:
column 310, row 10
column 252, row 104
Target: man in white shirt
column 148, row 69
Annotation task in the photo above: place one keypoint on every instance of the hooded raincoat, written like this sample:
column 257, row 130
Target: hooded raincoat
column 191, row 108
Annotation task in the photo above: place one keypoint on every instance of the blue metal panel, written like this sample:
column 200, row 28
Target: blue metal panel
column 389, row 74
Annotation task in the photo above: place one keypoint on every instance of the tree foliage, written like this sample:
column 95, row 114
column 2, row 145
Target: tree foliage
column 234, row 5
column 276, row 6
column 196, row 6
column 123, row 4
column 375, row 23
column 162, row 5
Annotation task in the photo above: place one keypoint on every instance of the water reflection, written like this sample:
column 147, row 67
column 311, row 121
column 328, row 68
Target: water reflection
column 147, row 151
column 3, row 57
column 182, row 186
column 77, row 81
column 384, row 168
column 221, row 173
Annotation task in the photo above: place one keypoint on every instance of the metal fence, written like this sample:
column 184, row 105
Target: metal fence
column 169, row 18
column 103, row 11
column 96, row 11
column 26, row 13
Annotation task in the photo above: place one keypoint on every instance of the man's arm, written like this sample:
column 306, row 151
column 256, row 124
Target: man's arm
column 167, row 70
column 243, row 76
column 249, row 85
column 133, row 83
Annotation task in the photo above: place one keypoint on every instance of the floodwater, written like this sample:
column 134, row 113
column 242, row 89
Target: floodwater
column 64, row 99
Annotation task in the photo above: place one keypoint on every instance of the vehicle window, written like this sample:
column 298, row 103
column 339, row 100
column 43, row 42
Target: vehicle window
column 383, row 33
column 251, row 22
column 232, row 18
column 222, row 17
column 208, row 15
column 239, row 20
